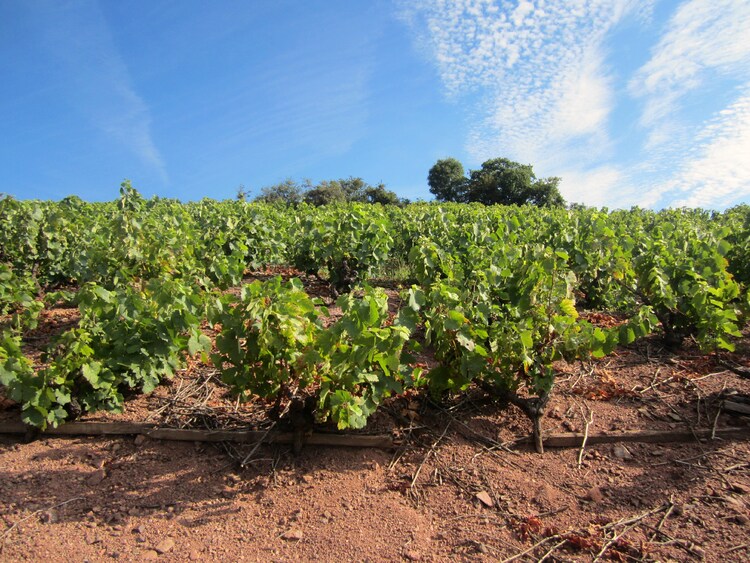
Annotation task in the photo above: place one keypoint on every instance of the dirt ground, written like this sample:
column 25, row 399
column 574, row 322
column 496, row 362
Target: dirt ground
column 456, row 487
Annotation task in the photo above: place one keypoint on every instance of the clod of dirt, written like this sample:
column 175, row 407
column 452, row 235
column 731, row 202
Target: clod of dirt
column 139, row 439
column 150, row 555
column 292, row 535
column 164, row 546
column 412, row 555
column 96, row 477
column 595, row 495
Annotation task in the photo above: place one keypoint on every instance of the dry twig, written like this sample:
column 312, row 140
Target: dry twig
column 587, row 422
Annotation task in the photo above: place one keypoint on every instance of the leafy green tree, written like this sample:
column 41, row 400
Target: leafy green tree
column 350, row 189
column 498, row 181
column 447, row 181
column 378, row 194
column 354, row 188
column 288, row 192
column 326, row 192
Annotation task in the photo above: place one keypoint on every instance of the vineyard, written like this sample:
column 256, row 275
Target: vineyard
column 424, row 304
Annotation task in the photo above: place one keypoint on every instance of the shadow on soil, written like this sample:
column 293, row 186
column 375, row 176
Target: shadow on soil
column 112, row 479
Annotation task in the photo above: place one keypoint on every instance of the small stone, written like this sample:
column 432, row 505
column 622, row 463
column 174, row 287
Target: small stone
column 195, row 555
column 150, row 555
column 48, row 517
column 91, row 539
column 595, row 494
column 164, row 546
column 621, row 452
column 139, row 439
column 138, row 529
column 485, row 499
column 741, row 519
column 307, row 478
column 741, row 489
column 96, row 477
column 412, row 555
column 292, row 535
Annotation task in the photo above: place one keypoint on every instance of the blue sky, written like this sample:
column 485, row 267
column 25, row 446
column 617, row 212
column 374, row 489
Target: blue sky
column 629, row 102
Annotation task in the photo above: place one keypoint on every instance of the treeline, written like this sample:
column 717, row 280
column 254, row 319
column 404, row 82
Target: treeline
column 499, row 181
column 327, row 192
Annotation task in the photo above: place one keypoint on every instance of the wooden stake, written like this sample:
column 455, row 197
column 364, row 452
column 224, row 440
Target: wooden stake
column 199, row 435
column 574, row 440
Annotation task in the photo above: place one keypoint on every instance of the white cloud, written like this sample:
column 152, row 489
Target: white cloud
column 705, row 44
column 540, row 69
column 703, row 37
column 716, row 174
column 600, row 187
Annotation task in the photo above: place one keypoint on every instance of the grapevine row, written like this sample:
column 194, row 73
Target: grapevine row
column 496, row 292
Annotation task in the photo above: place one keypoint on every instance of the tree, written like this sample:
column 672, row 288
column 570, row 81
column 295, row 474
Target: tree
column 378, row 194
column 499, row 181
column 242, row 193
column 342, row 190
column 288, row 192
column 354, row 188
column 447, row 181
column 326, row 192
column 545, row 193
column 350, row 189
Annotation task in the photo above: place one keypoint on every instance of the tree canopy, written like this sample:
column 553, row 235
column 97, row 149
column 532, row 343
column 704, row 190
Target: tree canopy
column 447, row 181
column 499, row 180
column 329, row 191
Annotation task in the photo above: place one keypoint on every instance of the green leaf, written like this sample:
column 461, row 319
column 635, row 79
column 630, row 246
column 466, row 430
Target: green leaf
column 526, row 339
column 90, row 372
column 627, row 335
column 568, row 307
column 454, row 320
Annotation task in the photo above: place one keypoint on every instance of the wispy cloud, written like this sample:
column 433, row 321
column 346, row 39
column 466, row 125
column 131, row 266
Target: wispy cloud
column 705, row 43
column 78, row 36
column 703, row 38
column 716, row 173
column 318, row 101
column 547, row 93
column 540, row 69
